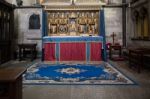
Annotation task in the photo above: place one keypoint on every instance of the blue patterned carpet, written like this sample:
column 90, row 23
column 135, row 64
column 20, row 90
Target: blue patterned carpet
column 40, row 73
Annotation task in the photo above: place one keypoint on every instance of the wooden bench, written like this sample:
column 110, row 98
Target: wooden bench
column 11, row 82
column 138, row 57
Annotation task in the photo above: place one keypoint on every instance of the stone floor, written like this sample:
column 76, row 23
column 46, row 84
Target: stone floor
column 140, row 91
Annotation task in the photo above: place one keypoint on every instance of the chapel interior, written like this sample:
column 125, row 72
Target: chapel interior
column 74, row 31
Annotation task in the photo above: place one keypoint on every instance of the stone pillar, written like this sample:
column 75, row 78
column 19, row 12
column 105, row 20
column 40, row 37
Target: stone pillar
column 149, row 16
column 124, row 23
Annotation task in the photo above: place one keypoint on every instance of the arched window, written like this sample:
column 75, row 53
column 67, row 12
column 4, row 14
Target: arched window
column 141, row 23
column 144, row 22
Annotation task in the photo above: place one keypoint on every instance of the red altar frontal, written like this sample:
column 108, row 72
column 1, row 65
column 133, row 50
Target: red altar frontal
column 73, row 48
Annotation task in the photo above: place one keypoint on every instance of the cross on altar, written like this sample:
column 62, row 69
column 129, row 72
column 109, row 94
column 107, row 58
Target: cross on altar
column 113, row 37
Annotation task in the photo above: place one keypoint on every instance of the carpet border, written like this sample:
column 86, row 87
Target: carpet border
column 134, row 82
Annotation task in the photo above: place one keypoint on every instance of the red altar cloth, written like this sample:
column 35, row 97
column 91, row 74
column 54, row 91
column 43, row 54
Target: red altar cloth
column 72, row 51
column 49, row 52
column 73, row 48
column 95, row 52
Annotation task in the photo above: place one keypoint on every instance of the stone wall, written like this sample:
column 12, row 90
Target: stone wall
column 130, row 31
column 22, row 31
column 9, row 1
column 25, row 2
column 113, row 23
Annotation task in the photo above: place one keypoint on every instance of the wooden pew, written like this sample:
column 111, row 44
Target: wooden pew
column 11, row 83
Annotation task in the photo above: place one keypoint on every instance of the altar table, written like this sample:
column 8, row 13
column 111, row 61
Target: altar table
column 75, row 48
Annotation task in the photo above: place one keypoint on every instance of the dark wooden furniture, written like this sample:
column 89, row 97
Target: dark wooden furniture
column 137, row 57
column 6, row 30
column 25, row 49
column 11, row 83
column 114, row 47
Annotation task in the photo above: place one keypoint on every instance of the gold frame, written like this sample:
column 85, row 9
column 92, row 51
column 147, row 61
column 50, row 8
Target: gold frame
column 86, row 18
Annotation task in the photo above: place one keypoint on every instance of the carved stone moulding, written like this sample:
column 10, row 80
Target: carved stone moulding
column 72, row 8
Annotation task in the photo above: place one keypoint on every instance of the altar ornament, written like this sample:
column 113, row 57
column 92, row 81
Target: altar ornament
column 74, row 23
column 62, row 15
column 113, row 35
column 81, row 28
column 63, row 28
column 49, row 25
column 72, row 26
column 62, row 21
column 90, row 32
column 92, row 14
column 73, row 15
column 53, row 15
column 53, row 29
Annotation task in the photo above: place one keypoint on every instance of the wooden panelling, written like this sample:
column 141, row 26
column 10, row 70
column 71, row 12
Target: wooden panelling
column 6, row 31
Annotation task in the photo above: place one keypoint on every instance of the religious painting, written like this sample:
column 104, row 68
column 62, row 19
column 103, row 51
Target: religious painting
column 91, row 21
column 63, row 29
column 73, row 15
column 82, row 28
column 62, row 21
column 72, row 23
column 82, row 21
column 53, row 29
column 72, row 26
column 34, row 21
column 91, row 29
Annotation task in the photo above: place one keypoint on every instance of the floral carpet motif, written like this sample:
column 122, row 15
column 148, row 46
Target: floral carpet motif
column 41, row 73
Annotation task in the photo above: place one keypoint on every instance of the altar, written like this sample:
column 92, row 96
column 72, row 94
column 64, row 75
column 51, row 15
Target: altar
column 73, row 48
column 73, row 33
